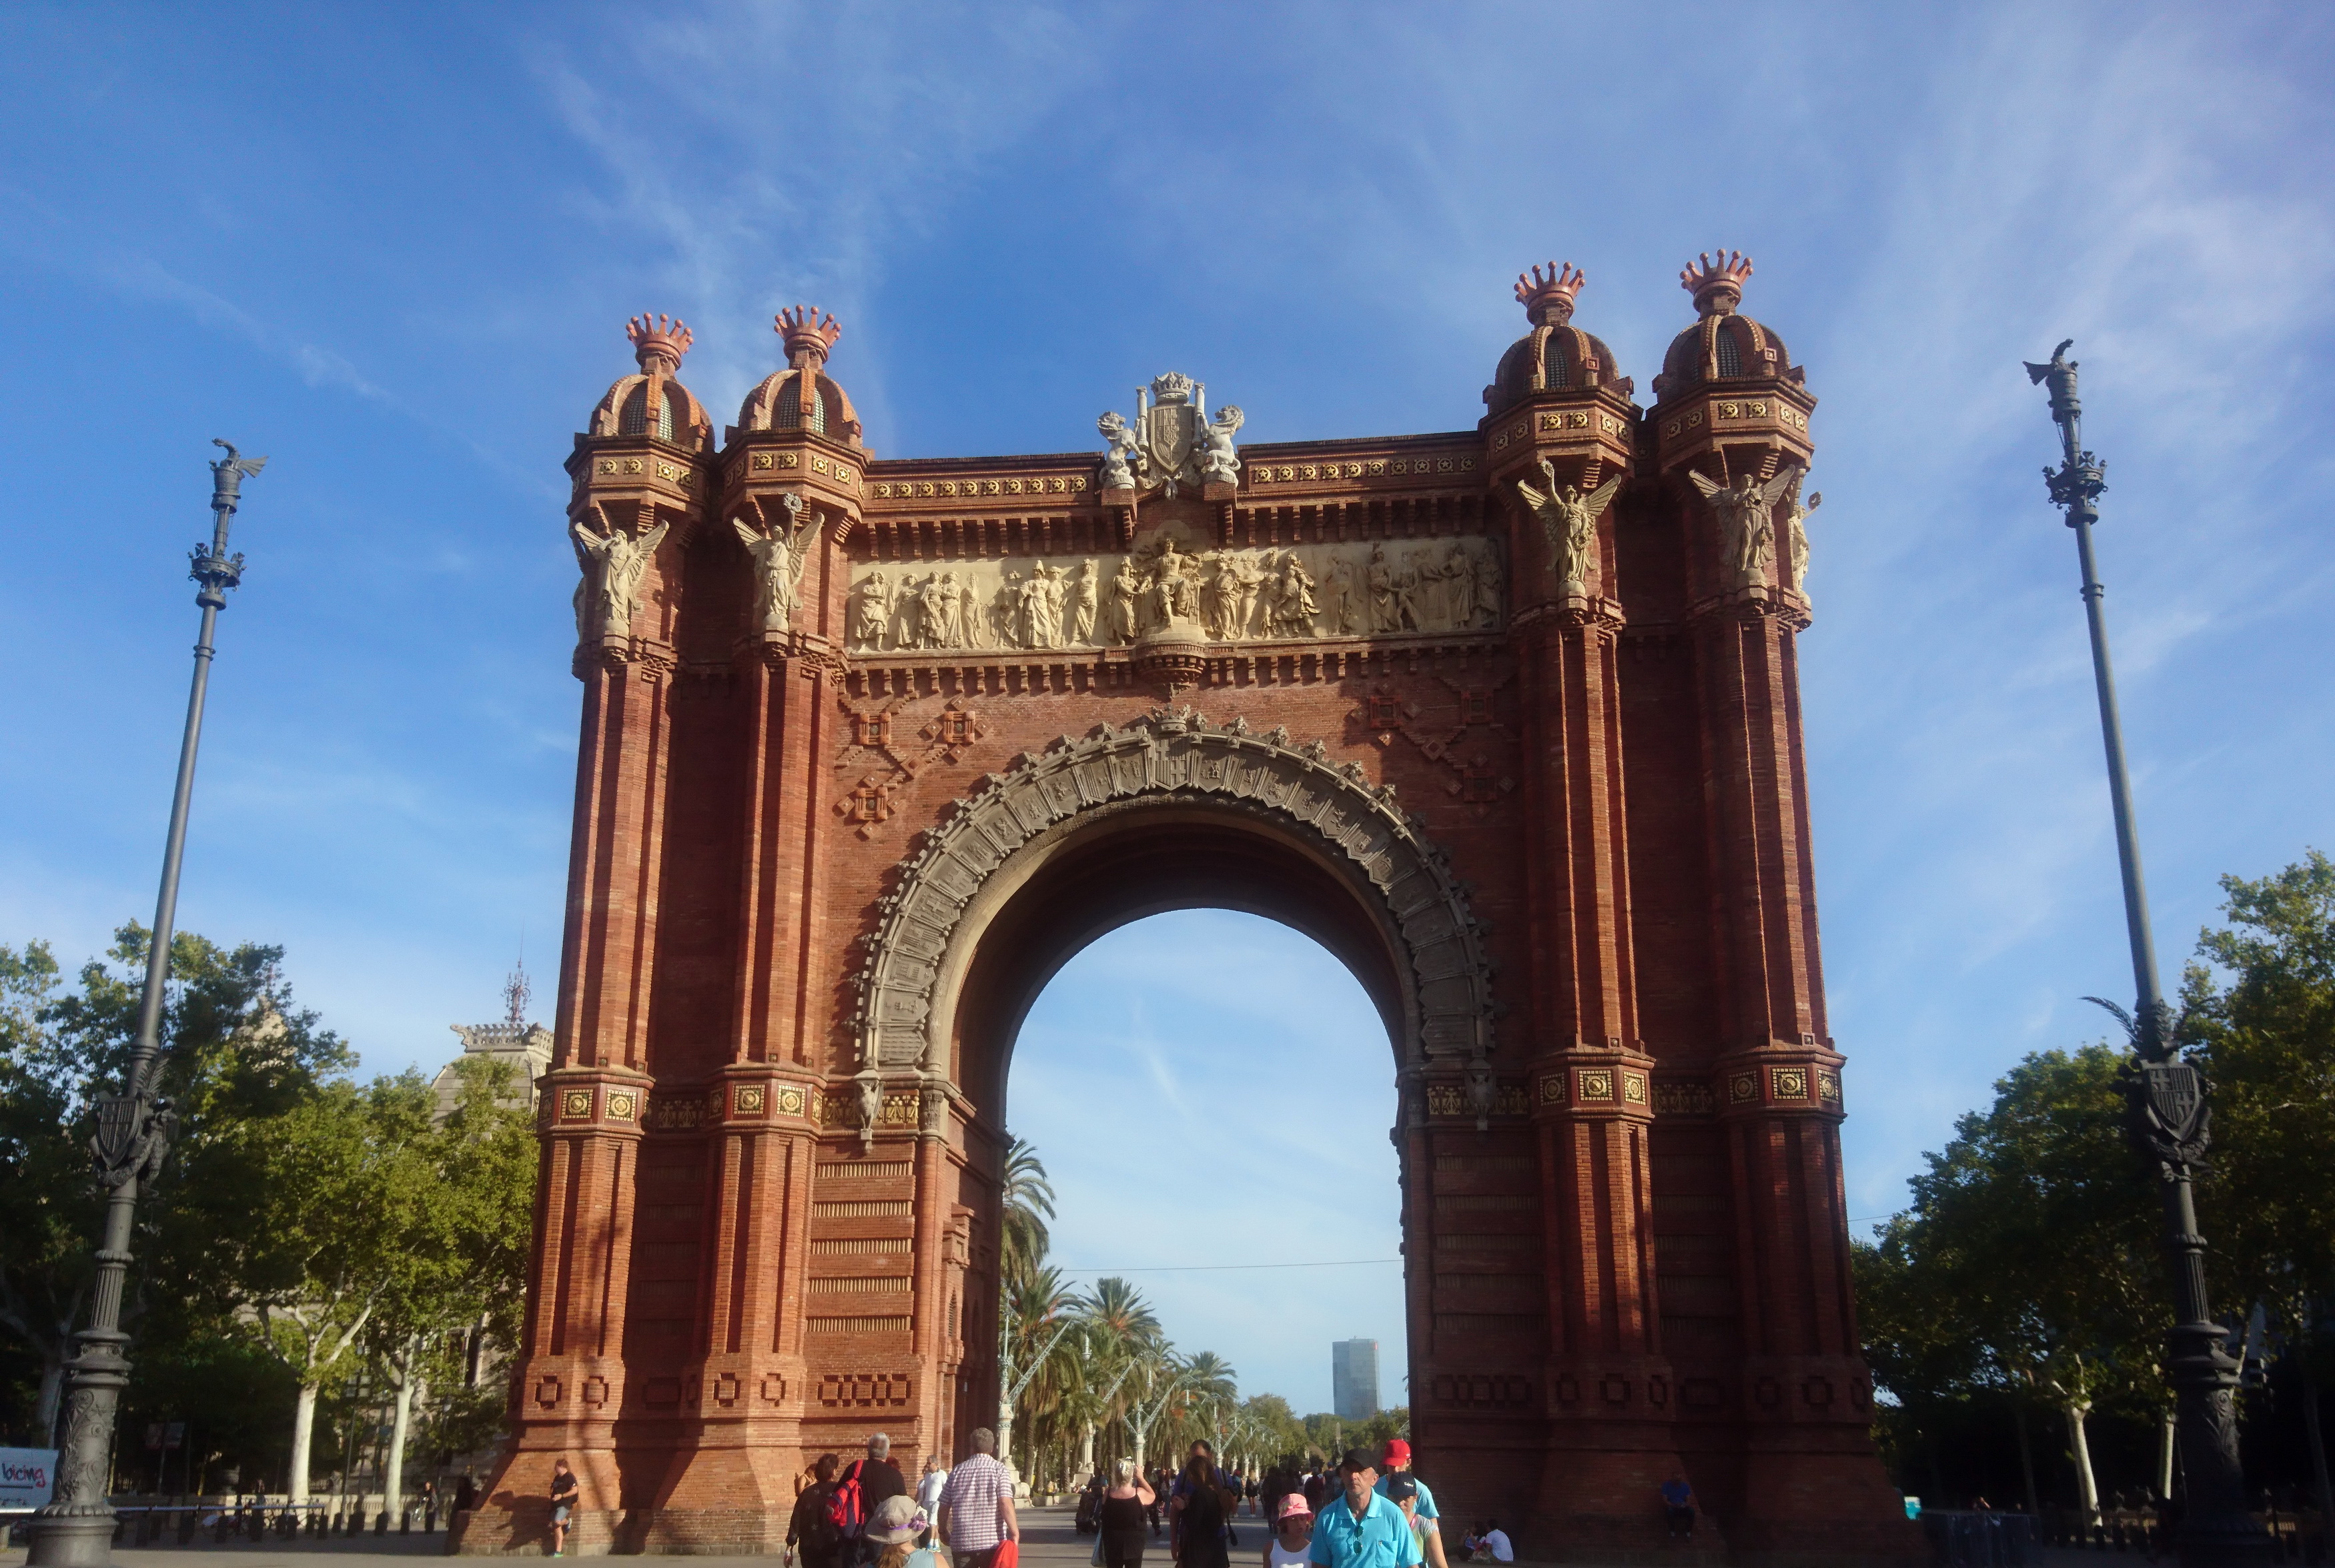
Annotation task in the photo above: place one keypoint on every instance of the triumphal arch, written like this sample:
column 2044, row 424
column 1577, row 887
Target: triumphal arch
column 1506, row 717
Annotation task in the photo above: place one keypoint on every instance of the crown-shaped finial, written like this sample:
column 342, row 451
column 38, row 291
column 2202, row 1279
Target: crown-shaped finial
column 1717, row 285
column 808, row 336
column 1548, row 301
column 658, row 337
column 1175, row 387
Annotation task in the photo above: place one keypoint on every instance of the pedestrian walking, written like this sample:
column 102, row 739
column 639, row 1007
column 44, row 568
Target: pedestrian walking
column 865, row 1488
column 813, row 1536
column 1126, row 1504
column 1394, row 1459
column 1199, row 1509
column 928, row 1492
column 1293, row 1534
column 563, row 1505
column 978, row 1504
column 1678, row 1507
column 1402, row 1491
column 1361, row 1529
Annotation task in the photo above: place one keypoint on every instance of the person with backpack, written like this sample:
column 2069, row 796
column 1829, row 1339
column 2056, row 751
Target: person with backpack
column 861, row 1489
column 812, row 1530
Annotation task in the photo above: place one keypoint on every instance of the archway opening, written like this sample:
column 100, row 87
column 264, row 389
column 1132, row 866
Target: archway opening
column 1193, row 1024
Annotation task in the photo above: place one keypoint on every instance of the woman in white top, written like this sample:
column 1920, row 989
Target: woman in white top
column 1292, row 1534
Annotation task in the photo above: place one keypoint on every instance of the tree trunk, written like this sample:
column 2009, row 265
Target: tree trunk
column 2088, row 1490
column 303, row 1427
column 392, row 1484
column 2165, row 1457
column 2318, row 1449
column 53, row 1387
column 2027, row 1462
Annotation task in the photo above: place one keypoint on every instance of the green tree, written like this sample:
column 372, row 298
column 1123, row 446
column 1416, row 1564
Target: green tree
column 465, row 1250
column 2265, row 1037
column 235, row 1051
column 342, row 1224
column 2028, row 1260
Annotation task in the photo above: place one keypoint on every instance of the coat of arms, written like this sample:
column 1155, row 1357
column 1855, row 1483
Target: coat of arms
column 1172, row 442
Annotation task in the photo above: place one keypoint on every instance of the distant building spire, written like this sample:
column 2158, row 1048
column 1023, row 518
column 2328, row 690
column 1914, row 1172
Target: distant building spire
column 514, row 995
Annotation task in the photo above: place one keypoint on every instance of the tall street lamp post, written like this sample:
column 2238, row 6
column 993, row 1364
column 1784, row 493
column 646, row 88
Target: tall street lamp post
column 134, row 1127
column 2165, row 1094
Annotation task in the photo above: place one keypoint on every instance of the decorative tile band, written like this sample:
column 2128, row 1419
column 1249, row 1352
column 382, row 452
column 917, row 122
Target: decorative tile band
column 1368, row 467
column 929, row 490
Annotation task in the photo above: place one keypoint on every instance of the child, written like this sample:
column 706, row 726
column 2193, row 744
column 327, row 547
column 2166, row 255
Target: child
column 1292, row 1534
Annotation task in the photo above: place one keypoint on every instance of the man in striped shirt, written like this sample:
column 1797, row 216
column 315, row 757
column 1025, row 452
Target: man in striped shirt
column 976, row 1509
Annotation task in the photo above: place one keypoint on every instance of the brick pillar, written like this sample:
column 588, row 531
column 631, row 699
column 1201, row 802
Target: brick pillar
column 1811, row 1479
column 1606, row 1387
column 742, row 1396
column 568, row 1383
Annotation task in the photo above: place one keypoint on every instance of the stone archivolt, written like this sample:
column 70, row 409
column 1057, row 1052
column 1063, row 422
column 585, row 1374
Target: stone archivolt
column 1180, row 756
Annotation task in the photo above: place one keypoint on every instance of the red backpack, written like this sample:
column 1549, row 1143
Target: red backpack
column 843, row 1503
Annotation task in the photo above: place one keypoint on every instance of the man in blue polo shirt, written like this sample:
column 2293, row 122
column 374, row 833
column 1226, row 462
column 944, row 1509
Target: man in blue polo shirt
column 1361, row 1529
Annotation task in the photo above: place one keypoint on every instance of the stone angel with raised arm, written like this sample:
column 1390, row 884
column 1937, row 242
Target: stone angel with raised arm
column 1569, row 518
column 778, row 557
column 614, row 564
column 1745, row 508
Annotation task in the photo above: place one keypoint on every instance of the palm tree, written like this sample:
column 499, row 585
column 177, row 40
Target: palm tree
column 1120, row 1326
column 1035, row 1321
column 1028, row 1204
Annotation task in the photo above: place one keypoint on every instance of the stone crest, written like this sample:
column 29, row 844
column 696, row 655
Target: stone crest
column 1171, row 441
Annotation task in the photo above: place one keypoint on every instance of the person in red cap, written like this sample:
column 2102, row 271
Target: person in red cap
column 1395, row 1457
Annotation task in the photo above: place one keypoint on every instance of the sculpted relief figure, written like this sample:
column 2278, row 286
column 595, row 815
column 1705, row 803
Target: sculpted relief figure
column 1378, row 577
column 1126, row 595
column 1084, row 601
column 1569, row 519
column 1796, row 539
column 1222, row 464
column 612, row 565
column 1294, row 608
column 1343, row 603
column 872, row 613
column 779, row 560
column 1746, row 513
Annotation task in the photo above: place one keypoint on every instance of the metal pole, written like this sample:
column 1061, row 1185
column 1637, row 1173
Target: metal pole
column 75, row 1530
column 2165, row 1095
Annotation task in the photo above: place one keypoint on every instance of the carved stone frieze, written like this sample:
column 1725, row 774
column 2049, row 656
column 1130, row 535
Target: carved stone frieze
column 1287, row 594
column 1448, row 993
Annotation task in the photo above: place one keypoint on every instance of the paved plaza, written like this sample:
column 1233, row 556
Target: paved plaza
column 1048, row 1541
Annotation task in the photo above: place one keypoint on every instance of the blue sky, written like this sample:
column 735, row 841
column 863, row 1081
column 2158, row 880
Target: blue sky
column 392, row 248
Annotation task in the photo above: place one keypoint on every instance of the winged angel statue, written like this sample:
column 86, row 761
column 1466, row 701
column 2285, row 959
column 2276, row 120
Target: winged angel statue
column 614, row 564
column 780, row 557
column 1745, row 508
column 1570, row 521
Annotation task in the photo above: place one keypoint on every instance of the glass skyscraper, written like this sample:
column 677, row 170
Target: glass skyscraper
column 1354, row 1378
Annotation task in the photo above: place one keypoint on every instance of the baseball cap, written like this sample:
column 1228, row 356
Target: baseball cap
column 1293, row 1506
column 1399, row 1487
column 1361, row 1459
column 1396, row 1452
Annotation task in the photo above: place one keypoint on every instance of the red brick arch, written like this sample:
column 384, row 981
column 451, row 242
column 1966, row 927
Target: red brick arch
column 1555, row 821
